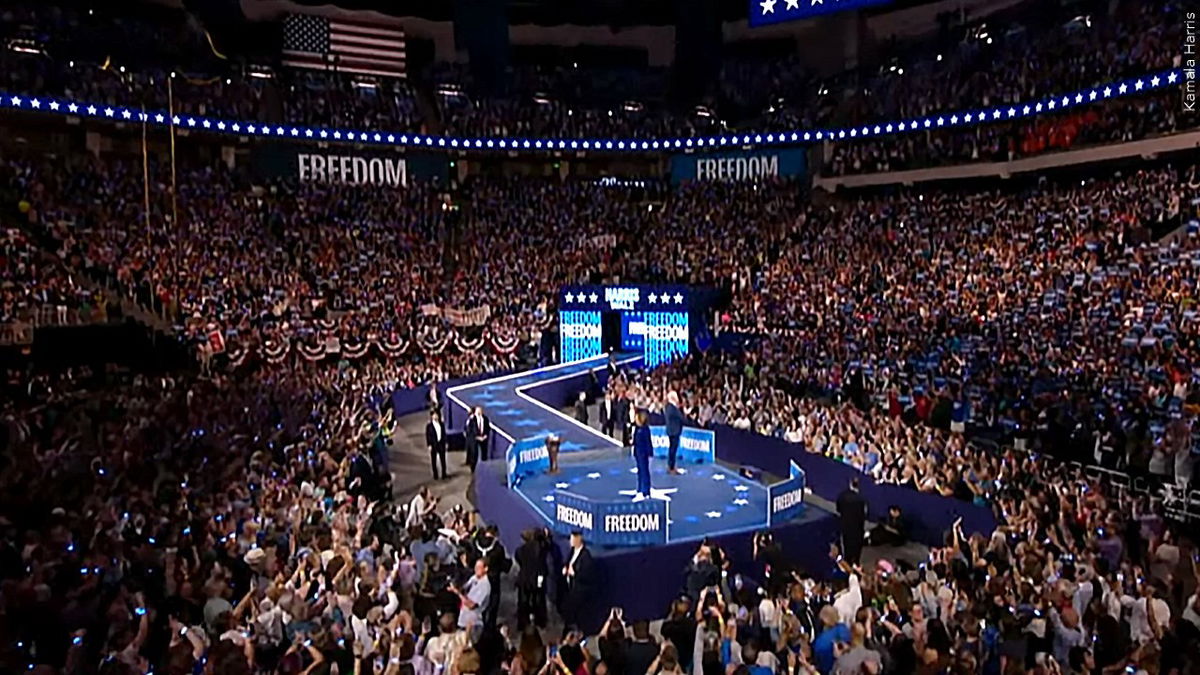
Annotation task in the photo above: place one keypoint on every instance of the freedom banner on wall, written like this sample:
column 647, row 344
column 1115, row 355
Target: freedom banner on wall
column 346, row 165
column 738, row 166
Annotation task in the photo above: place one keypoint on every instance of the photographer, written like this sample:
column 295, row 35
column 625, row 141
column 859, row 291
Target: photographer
column 700, row 573
column 777, row 569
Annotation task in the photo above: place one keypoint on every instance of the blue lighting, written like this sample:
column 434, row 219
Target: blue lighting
column 952, row 118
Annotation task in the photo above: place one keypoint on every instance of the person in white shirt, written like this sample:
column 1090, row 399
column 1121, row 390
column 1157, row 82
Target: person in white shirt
column 1191, row 611
column 849, row 601
column 1144, row 610
column 442, row 652
column 422, row 505
column 473, row 597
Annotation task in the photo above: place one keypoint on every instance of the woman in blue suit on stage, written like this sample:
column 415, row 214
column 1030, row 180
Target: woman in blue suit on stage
column 642, row 450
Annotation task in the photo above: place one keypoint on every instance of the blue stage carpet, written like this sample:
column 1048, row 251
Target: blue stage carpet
column 805, row 539
column 516, row 414
column 708, row 500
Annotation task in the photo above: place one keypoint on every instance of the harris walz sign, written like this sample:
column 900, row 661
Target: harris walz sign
column 347, row 165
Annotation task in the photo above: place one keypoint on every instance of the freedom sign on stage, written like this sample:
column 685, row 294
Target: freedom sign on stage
column 696, row 446
column 785, row 499
column 612, row 523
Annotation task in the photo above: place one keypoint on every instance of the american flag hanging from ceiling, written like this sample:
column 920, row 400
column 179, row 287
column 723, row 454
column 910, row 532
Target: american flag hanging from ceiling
column 343, row 45
column 766, row 12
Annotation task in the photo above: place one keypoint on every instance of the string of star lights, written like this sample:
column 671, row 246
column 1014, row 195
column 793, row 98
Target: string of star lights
column 941, row 120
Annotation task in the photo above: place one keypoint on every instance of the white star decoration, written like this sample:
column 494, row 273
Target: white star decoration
column 713, row 514
column 593, row 297
column 661, row 494
column 740, row 502
column 594, row 475
column 678, row 298
column 569, row 298
column 793, row 4
column 741, row 488
column 768, row 6
column 718, row 476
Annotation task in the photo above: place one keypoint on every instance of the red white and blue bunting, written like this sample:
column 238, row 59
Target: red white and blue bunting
column 503, row 342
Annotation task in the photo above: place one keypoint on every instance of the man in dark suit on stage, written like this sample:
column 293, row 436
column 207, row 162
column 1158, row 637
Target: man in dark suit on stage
column 581, row 410
column 580, row 572
column 608, row 411
column 624, row 418
column 478, row 432
column 611, row 368
column 532, row 576
column 435, row 440
column 674, row 422
column 852, row 509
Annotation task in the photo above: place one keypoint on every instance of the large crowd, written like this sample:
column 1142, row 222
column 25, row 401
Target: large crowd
column 1050, row 315
column 1020, row 55
column 979, row 344
column 242, row 521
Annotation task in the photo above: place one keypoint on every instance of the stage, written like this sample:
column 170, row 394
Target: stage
column 643, row 580
column 526, row 404
column 707, row 500
column 596, row 484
